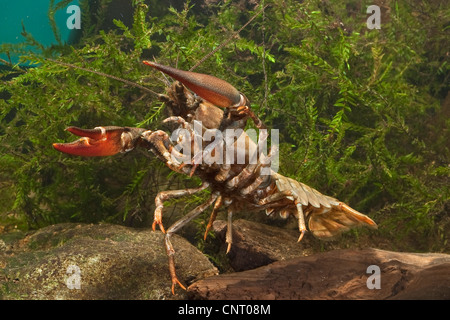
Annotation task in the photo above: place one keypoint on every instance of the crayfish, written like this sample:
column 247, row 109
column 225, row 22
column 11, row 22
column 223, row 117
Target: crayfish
column 199, row 104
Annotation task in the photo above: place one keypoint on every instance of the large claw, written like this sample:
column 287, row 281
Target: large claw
column 210, row 88
column 100, row 141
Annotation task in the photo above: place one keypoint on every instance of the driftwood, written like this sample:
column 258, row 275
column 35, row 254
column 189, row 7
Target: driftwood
column 339, row 274
column 275, row 266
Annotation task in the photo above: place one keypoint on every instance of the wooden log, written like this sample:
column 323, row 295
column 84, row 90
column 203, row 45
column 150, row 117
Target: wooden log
column 338, row 274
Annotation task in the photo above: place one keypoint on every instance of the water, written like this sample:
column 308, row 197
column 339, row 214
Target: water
column 34, row 15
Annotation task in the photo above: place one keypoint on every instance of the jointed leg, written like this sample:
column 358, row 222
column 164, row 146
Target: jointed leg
column 171, row 194
column 224, row 173
column 283, row 195
column 275, row 197
column 255, row 171
column 229, row 234
column 213, row 216
column 262, row 177
column 174, row 228
column 156, row 142
column 301, row 220
column 256, row 120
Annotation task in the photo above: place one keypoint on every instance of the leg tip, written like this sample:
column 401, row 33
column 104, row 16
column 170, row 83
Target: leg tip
column 161, row 227
column 177, row 282
column 228, row 248
column 301, row 235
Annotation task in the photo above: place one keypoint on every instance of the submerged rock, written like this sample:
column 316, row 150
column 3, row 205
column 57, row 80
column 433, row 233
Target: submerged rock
column 104, row 261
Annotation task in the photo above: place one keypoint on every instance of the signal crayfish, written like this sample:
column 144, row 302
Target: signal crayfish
column 203, row 105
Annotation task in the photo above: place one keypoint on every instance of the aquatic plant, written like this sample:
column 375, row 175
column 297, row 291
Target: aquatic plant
column 361, row 112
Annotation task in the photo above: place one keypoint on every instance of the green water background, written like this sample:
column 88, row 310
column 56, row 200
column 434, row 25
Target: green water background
column 34, row 15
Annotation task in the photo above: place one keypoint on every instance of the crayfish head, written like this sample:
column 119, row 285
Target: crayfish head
column 101, row 141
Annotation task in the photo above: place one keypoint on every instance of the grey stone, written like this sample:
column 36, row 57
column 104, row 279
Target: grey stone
column 112, row 262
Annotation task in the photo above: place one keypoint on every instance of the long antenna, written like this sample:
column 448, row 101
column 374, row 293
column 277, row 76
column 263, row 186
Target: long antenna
column 234, row 35
column 134, row 84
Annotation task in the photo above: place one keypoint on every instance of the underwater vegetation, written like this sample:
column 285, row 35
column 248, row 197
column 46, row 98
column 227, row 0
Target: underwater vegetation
column 363, row 113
